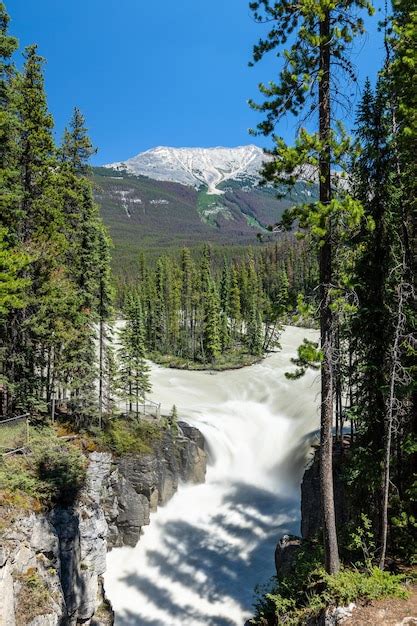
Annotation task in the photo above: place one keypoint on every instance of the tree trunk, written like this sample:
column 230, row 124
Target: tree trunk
column 101, row 340
column 389, row 424
column 331, row 551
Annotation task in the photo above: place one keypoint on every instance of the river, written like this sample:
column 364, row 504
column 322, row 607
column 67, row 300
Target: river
column 199, row 561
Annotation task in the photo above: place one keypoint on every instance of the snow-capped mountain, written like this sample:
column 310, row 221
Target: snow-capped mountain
column 197, row 167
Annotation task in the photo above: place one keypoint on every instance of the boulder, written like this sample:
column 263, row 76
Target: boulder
column 285, row 554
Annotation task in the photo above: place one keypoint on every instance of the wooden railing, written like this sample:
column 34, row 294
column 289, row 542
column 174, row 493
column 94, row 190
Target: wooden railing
column 14, row 434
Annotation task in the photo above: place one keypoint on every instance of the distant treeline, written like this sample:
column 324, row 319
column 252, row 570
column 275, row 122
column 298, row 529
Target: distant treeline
column 200, row 309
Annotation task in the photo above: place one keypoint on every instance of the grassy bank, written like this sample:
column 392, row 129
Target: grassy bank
column 229, row 361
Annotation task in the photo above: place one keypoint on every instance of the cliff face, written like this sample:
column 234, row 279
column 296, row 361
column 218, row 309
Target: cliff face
column 51, row 564
column 311, row 521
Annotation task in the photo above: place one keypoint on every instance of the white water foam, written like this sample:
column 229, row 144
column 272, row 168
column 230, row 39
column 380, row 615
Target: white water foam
column 199, row 561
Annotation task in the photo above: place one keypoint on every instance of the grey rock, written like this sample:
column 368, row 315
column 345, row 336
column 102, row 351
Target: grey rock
column 337, row 615
column 43, row 538
column 311, row 523
column 51, row 619
column 99, row 469
column 68, row 546
column 285, row 554
column 7, row 603
column 192, row 433
column 132, row 511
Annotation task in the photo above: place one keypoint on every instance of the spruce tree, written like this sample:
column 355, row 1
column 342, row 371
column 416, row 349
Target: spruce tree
column 76, row 148
column 320, row 36
column 9, row 127
column 254, row 334
column 234, row 304
column 211, row 334
column 133, row 378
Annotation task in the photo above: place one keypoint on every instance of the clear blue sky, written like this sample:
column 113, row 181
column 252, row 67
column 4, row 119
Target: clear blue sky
column 170, row 72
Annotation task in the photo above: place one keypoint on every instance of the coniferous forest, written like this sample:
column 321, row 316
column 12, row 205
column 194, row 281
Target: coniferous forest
column 78, row 340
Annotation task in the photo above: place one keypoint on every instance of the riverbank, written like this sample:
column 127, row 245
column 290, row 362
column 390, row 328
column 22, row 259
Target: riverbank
column 232, row 361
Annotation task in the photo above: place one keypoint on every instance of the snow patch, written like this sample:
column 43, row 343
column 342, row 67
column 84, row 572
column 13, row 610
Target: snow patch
column 197, row 167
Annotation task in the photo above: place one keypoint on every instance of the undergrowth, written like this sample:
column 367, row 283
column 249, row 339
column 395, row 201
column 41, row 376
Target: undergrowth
column 51, row 471
column 33, row 598
column 121, row 435
column 305, row 593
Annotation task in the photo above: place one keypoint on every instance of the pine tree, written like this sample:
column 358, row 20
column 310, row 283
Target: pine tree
column 39, row 327
column 225, row 288
column 133, row 377
column 371, row 326
column 234, row 304
column 76, row 148
column 320, row 36
column 187, row 325
column 173, row 420
column 254, row 334
column 211, row 333
column 9, row 126
column 225, row 338
column 104, row 311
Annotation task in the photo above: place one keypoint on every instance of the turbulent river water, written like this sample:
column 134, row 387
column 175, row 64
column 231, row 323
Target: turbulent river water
column 199, row 561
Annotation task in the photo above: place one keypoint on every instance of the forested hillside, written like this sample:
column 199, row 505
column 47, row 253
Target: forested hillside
column 205, row 313
column 156, row 216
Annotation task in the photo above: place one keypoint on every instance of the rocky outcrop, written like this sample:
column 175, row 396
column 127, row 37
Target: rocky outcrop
column 311, row 523
column 285, row 554
column 51, row 565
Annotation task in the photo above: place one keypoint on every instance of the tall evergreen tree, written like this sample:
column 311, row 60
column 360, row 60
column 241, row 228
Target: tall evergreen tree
column 211, row 334
column 320, row 35
column 76, row 148
column 133, row 378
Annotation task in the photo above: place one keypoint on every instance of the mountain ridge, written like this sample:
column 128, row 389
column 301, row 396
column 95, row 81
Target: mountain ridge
column 197, row 167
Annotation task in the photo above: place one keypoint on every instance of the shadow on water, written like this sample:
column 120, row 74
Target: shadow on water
column 213, row 562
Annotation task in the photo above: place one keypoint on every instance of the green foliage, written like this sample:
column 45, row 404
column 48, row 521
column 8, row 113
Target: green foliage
column 12, row 283
column 62, row 468
column 53, row 472
column 363, row 540
column 33, row 597
column 129, row 435
column 173, row 420
column 76, row 148
column 309, row 356
column 133, row 380
column 54, row 252
column 198, row 314
column 309, row 590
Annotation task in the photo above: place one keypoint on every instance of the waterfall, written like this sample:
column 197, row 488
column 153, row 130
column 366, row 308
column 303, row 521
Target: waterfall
column 199, row 561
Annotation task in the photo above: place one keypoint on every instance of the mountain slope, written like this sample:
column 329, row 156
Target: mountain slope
column 189, row 196
column 196, row 167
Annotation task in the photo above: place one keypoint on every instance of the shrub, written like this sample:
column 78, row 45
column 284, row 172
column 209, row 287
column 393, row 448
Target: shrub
column 125, row 435
column 305, row 593
column 33, row 597
column 53, row 471
column 60, row 467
